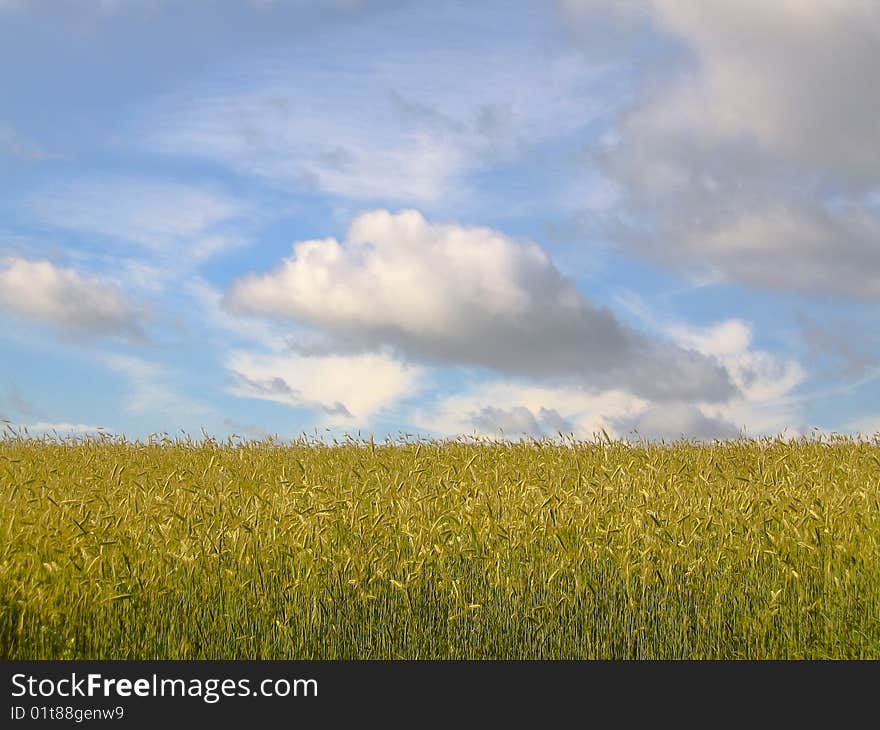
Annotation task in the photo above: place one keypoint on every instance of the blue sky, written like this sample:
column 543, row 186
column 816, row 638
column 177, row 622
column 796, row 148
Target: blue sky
column 440, row 218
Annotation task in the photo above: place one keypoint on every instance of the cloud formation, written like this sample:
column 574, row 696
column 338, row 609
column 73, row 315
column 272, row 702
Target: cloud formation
column 765, row 381
column 796, row 78
column 77, row 304
column 674, row 422
column 764, row 403
column 343, row 390
column 61, row 428
column 513, row 408
column 471, row 296
column 754, row 154
column 391, row 123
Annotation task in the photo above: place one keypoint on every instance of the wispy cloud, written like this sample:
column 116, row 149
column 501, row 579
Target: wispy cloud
column 150, row 389
column 364, row 119
column 188, row 222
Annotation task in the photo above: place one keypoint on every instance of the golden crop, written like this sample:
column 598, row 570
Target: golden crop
column 464, row 549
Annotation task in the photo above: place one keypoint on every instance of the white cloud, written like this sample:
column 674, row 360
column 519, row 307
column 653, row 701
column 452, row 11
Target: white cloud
column 765, row 400
column 344, row 390
column 759, row 375
column 797, row 78
column 463, row 295
column 76, row 303
column 171, row 218
column 765, row 381
column 791, row 246
column 60, row 428
column 678, row 421
column 797, row 249
column 764, row 403
column 515, row 408
column 755, row 157
column 766, row 406
column 299, row 369
column 730, row 337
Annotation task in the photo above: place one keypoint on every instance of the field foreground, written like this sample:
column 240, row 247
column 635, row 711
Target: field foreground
column 747, row 549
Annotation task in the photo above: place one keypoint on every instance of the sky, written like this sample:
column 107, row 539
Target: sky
column 656, row 218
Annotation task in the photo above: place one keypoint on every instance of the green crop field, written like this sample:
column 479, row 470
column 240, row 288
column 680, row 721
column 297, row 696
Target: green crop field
column 183, row 549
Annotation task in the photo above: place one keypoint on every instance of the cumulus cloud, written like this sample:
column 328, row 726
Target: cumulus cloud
column 797, row 78
column 759, row 375
column 471, row 296
column 343, row 390
column 755, row 153
column 765, row 402
column 765, row 382
column 76, row 303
